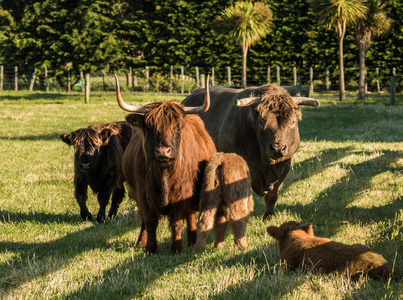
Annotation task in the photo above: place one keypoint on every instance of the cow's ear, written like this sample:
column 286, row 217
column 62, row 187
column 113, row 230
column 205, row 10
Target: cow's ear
column 66, row 138
column 135, row 120
column 274, row 232
column 308, row 228
column 105, row 135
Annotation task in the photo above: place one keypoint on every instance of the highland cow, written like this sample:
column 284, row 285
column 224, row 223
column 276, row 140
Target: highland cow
column 261, row 125
column 300, row 248
column 226, row 197
column 163, row 165
column 98, row 152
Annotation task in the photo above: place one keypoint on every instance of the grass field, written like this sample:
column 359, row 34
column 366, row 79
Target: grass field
column 346, row 179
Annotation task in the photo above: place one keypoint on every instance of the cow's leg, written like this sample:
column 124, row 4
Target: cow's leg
column 191, row 228
column 176, row 225
column 142, row 239
column 81, row 197
column 220, row 227
column 238, row 219
column 151, row 224
column 206, row 224
column 270, row 198
column 103, row 199
column 117, row 198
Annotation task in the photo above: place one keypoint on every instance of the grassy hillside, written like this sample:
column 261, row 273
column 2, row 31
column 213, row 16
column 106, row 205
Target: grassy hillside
column 346, row 179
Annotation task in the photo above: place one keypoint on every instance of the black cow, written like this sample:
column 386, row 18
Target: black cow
column 98, row 152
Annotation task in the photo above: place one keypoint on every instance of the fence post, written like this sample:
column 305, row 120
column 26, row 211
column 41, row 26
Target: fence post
column 87, row 87
column 378, row 86
column 212, row 77
column 310, row 81
column 1, row 77
column 182, row 80
column 146, row 86
column 392, row 90
column 31, row 85
column 202, row 78
column 46, row 80
column 68, row 81
column 327, row 79
column 81, row 79
column 278, row 75
column 229, row 76
column 197, row 77
column 294, row 70
column 268, row 75
column 16, row 78
column 171, row 75
column 130, row 79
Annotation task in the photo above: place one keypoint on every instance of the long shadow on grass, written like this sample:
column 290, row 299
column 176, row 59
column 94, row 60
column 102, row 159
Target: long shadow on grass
column 42, row 218
column 331, row 208
column 42, row 137
column 43, row 255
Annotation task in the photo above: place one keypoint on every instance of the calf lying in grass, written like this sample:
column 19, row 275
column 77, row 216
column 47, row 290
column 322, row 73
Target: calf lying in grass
column 226, row 197
column 98, row 152
column 300, row 248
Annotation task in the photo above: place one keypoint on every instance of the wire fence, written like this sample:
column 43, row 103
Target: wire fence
column 183, row 81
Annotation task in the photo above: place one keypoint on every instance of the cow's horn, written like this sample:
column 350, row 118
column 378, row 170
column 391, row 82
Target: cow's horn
column 205, row 106
column 130, row 108
column 251, row 101
column 306, row 101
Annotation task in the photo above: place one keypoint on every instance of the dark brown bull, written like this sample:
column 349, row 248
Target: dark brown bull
column 261, row 125
column 163, row 166
column 98, row 152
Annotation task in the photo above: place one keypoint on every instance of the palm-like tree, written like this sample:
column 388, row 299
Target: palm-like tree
column 375, row 22
column 245, row 23
column 340, row 14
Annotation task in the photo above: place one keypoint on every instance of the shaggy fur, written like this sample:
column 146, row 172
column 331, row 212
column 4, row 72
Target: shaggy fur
column 300, row 248
column 170, row 185
column 265, row 135
column 98, row 163
column 226, row 197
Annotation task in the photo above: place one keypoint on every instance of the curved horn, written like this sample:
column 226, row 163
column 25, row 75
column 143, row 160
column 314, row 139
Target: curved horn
column 306, row 101
column 130, row 108
column 251, row 101
column 206, row 104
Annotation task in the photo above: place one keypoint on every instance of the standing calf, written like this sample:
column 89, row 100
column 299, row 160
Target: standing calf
column 299, row 247
column 226, row 197
column 98, row 152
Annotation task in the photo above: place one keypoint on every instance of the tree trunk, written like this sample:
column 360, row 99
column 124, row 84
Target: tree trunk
column 244, row 55
column 361, row 81
column 342, row 92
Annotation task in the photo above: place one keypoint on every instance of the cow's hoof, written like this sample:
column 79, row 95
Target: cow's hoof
column 267, row 216
column 100, row 218
column 86, row 217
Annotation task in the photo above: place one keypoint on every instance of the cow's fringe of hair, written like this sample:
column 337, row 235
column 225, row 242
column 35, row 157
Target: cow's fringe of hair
column 94, row 140
column 164, row 116
column 275, row 100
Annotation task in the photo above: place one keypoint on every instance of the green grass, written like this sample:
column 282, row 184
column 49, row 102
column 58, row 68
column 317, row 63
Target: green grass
column 346, row 179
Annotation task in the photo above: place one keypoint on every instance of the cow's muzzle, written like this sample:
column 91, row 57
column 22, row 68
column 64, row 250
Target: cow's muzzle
column 278, row 150
column 85, row 166
column 163, row 152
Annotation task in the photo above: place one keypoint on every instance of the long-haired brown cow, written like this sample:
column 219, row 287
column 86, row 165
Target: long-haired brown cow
column 98, row 152
column 163, row 166
column 261, row 125
column 300, row 248
column 226, row 197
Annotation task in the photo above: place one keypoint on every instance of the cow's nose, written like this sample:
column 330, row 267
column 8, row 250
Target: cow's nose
column 163, row 152
column 86, row 165
column 278, row 149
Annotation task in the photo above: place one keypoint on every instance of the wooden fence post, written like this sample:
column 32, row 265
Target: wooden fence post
column 68, row 81
column 130, row 79
column 31, row 85
column 197, row 77
column 87, row 87
column 1, row 77
column 268, row 75
column 278, row 76
column 171, row 75
column 202, row 78
column 212, row 77
column 16, row 78
column 378, row 86
column 392, row 90
column 182, row 80
column 327, row 82
column 229, row 75
column 294, row 70
column 146, row 86
column 310, row 81
column 46, row 80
